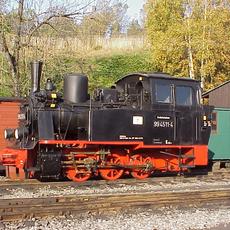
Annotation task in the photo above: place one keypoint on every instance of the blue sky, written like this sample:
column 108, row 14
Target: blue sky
column 134, row 7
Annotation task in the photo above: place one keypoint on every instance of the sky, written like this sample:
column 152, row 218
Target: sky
column 133, row 11
column 134, row 7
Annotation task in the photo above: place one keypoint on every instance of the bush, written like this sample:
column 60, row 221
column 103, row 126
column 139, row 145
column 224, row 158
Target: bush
column 102, row 71
column 107, row 70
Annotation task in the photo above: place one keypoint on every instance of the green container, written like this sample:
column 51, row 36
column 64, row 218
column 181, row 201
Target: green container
column 219, row 142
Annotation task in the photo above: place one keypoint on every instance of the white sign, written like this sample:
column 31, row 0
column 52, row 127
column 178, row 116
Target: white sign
column 137, row 120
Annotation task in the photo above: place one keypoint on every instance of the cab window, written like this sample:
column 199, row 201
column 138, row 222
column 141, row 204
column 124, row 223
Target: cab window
column 183, row 95
column 163, row 93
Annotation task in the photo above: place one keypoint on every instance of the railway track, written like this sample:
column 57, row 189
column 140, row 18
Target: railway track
column 23, row 208
column 168, row 178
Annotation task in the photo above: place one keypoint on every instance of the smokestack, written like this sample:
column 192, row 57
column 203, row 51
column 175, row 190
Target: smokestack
column 36, row 71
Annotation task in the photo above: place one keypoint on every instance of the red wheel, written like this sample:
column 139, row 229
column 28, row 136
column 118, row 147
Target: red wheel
column 112, row 174
column 80, row 173
column 141, row 173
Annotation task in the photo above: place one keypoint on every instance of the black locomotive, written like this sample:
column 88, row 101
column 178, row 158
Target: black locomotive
column 147, row 122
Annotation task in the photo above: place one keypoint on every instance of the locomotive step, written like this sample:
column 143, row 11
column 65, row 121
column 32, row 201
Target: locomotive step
column 187, row 156
column 33, row 169
column 187, row 166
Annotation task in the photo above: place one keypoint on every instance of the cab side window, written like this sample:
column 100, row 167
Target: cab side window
column 163, row 93
column 184, row 95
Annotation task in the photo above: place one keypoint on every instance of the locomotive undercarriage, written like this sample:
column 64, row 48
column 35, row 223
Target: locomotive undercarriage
column 79, row 161
column 109, row 165
column 112, row 165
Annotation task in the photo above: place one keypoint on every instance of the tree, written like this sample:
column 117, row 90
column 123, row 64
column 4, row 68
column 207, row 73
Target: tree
column 109, row 15
column 23, row 21
column 164, row 28
column 134, row 28
column 189, row 38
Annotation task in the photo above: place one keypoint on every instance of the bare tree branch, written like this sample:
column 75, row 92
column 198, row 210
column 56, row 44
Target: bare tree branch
column 58, row 15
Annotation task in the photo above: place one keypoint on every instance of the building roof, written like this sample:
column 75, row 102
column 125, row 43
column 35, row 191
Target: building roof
column 11, row 99
column 206, row 94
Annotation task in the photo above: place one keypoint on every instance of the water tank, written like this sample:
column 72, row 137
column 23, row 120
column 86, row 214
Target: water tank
column 75, row 88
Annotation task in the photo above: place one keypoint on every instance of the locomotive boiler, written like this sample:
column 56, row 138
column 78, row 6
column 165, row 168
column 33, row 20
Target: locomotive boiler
column 145, row 123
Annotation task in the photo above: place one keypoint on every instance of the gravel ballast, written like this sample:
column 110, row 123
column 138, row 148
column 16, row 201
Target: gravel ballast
column 169, row 218
column 163, row 219
column 48, row 191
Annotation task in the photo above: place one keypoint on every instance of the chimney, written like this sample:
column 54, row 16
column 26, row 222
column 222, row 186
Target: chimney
column 36, row 71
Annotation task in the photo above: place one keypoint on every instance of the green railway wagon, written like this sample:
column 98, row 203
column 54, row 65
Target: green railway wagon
column 219, row 142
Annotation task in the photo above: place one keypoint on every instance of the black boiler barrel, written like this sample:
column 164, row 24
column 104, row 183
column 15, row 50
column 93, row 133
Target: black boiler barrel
column 76, row 88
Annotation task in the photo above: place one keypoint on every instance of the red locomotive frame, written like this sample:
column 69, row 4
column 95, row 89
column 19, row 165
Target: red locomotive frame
column 118, row 158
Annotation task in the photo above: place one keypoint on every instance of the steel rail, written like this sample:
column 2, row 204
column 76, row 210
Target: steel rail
column 33, row 183
column 23, row 208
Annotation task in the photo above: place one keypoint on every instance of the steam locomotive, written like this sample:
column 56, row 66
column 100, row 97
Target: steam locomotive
column 146, row 123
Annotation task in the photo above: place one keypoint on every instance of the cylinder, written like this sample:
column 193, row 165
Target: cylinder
column 76, row 88
column 36, row 71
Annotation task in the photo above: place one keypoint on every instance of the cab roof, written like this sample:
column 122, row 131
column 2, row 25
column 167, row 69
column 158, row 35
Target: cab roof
column 157, row 75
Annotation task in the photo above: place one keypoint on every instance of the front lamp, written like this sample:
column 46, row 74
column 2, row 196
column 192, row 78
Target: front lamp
column 21, row 132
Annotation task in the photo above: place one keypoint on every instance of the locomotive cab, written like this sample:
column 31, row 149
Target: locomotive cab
column 176, row 103
column 160, row 109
